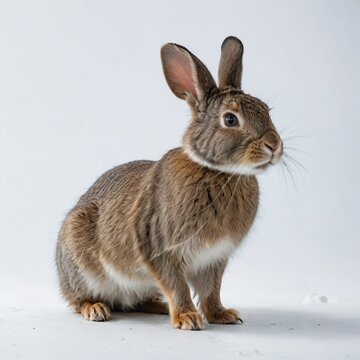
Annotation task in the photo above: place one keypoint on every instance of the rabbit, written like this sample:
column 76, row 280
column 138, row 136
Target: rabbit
column 147, row 232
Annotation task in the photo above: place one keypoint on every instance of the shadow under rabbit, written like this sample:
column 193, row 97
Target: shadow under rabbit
column 267, row 321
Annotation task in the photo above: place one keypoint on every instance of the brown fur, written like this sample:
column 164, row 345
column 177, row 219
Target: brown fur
column 140, row 231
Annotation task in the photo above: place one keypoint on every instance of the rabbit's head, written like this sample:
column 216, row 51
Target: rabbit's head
column 230, row 131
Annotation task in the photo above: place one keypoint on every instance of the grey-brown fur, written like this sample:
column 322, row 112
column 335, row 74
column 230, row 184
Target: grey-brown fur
column 147, row 229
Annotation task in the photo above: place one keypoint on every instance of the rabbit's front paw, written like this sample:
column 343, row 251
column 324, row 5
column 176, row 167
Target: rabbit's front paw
column 190, row 320
column 226, row 316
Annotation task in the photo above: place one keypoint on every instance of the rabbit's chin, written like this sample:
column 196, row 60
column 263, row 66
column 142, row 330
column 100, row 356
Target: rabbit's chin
column 239, row 169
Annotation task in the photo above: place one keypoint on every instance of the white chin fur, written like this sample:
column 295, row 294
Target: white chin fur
column 240, row 169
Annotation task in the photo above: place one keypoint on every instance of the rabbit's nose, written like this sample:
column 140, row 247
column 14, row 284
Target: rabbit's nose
column 273, row 144
column 275, row 149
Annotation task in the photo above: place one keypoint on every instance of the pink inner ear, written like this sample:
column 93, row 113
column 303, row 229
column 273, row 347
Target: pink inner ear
column 180, row 72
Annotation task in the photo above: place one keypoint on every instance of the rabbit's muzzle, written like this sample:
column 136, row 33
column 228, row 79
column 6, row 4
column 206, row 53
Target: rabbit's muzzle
column 267, row 150
column 273, row 146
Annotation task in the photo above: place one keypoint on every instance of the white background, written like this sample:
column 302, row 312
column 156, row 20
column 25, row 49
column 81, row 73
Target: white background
column 82, row 90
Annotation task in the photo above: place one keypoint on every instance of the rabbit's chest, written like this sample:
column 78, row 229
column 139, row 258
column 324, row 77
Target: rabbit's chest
column 216, row 210
column 206, row 255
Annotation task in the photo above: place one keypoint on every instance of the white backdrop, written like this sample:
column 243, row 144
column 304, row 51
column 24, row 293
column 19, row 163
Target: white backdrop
column 82, row 90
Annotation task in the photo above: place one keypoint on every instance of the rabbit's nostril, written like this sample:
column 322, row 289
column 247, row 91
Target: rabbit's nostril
column 269, row 147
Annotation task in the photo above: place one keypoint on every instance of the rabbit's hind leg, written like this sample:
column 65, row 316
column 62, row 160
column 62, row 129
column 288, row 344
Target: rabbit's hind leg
column 95, row 311
column 75, row 260
column 153, row 306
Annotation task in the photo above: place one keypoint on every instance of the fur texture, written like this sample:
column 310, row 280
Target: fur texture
column 147, row 230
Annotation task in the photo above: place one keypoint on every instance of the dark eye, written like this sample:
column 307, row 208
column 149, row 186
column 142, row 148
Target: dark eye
column 230, row 120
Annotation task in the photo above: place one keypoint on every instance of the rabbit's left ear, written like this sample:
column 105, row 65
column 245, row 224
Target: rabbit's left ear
column 186, row 75
column 230, row 68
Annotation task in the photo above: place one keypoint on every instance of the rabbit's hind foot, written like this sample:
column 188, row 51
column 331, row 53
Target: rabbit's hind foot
column 95, row 311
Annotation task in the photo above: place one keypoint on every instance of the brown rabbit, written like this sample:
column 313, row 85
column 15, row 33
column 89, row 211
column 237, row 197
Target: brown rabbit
column 148, row 229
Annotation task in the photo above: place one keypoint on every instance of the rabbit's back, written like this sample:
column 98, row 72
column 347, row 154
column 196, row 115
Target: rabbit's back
column 118, row 181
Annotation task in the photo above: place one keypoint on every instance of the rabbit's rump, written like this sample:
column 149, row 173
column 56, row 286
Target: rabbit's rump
column 85, row 259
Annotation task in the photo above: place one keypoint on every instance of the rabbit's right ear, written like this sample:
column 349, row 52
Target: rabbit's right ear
column 186, row 75
column 230, row 68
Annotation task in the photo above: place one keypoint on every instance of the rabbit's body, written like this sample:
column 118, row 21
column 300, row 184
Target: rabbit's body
column 115, row 268
column 147, row 229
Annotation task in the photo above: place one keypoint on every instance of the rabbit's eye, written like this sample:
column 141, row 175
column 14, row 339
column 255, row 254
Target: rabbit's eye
column 230, row 120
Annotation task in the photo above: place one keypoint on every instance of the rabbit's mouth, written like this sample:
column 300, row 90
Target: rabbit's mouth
column 273, row 161
column 263, row 166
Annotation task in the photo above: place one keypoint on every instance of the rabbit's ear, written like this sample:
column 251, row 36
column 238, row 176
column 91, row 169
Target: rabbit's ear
column 186, row 75
column 230, row 68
